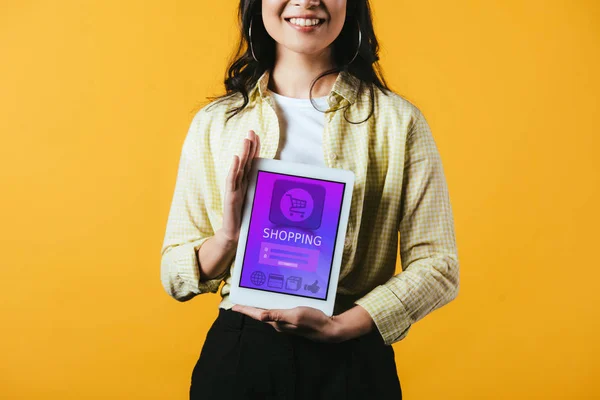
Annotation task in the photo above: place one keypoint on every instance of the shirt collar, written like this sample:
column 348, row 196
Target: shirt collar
column 345, row 85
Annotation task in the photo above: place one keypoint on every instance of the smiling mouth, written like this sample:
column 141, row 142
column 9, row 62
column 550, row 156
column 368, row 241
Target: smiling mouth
column 301, row 23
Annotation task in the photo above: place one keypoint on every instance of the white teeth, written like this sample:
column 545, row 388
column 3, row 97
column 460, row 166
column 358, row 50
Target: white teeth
column 304, row 22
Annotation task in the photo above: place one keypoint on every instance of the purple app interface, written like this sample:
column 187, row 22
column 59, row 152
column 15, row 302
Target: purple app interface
column 292, row 233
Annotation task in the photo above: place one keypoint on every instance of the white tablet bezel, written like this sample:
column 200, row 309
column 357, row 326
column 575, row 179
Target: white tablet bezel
column 264, row 299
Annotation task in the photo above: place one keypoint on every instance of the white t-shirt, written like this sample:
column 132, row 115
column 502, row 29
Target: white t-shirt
column 301, row 129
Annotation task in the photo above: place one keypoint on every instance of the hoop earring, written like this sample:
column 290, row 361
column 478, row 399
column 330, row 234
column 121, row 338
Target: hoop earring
column 250, row 40
column 359, row 42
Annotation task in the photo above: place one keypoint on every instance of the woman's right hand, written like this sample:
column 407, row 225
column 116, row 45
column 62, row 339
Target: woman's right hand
column 235, row 188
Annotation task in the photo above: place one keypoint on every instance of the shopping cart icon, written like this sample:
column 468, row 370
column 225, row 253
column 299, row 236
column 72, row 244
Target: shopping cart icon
column 297, row 203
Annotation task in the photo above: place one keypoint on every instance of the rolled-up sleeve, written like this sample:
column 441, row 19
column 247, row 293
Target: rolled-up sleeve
column 188, row 225
column 430, row 267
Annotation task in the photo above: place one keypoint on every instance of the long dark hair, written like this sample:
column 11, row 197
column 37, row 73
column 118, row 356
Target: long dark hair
column 244, row 71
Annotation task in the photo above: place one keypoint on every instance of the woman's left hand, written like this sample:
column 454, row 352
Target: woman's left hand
column 313, row 323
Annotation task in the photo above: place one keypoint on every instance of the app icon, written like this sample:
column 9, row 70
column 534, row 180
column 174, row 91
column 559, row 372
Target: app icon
column 275, row 281
column 257, row 278
column 297, row 204
column 293, row 283
column 313, row 288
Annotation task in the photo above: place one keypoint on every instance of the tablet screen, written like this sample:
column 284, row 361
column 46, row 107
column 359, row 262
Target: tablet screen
column 291, row 235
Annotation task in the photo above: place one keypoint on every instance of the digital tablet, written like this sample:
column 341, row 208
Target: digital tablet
column 293, row 229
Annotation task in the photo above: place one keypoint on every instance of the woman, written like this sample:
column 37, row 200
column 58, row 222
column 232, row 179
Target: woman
column 305, row 87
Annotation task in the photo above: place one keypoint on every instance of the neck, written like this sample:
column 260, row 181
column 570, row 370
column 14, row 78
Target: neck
column 294, row 72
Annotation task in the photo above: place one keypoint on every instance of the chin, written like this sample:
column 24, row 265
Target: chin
column 306, row 50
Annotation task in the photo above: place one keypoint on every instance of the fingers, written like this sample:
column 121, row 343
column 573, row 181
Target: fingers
column 243, row 159
column 247, row 154
column 241, row 165
column 252, row 138
column 256, row 153
column 285, row 327
column 306, row 332
column 284, row 317
column 249, row 311
column 300, row 317
column 257, row 146
column 231, row 181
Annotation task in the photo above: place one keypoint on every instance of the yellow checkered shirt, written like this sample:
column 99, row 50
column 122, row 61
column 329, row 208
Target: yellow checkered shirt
column 400, row 192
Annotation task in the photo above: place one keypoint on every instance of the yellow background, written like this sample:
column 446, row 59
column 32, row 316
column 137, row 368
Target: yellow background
column 97, row 96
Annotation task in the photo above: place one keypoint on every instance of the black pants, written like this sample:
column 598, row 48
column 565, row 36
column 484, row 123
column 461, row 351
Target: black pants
column 243, row 358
